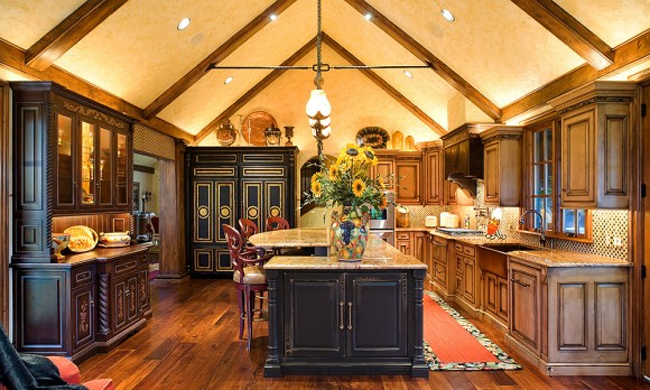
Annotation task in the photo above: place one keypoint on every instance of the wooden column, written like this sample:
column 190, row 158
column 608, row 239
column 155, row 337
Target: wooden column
column 4, row 209
column 172, row 212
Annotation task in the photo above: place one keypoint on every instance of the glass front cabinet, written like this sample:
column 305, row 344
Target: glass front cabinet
column 91, row 160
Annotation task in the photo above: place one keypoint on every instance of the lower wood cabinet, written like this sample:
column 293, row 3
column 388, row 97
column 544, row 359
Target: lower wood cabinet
column 571, row 320
column 495, row 295
column 467, row 275
column 348, row 322
column 345, row 315
column 411, row 243
column 77, row 308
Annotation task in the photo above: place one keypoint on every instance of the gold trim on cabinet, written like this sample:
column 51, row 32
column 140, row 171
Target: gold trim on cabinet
column 200, row 211
column 210, row 254
column 267, row 159
column 215, row 172
column 264, row 172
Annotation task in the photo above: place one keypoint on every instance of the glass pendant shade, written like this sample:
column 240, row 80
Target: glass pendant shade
column 318, row 107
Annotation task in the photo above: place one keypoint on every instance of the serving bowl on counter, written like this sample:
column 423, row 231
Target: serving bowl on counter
column 115, row 239
column 82, row 238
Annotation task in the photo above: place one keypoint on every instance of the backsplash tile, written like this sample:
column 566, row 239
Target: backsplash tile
column 607, row 224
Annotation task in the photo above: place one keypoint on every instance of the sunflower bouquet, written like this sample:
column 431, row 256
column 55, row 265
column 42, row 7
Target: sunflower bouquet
column 347, row 182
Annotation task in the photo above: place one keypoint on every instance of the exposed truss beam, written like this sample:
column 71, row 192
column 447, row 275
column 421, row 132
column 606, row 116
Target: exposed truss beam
column 250, row 94
column 384, row 85
column 217, row 56
column 569, row 30
column 426, row 56
column 638, row 49
column 70, row 31
column 13, row 59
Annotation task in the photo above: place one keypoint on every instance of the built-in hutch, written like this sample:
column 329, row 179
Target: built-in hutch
column 72, row 162
column 228, row 183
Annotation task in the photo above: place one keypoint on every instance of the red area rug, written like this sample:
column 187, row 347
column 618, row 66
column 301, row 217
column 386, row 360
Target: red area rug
column 453, row 343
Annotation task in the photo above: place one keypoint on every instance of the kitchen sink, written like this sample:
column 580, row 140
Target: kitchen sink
column 492, row 257
column 505, row 248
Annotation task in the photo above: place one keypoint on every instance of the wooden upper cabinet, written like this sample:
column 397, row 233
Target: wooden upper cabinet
column 502, row 165
column 594, row 150
column 386, row 165
column 433, row 174
column 408, row 171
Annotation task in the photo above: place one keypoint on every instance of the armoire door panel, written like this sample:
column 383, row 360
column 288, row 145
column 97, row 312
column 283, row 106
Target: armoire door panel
column 275, row 192
column 252, row 202
column 203, row 212
column 225, row 207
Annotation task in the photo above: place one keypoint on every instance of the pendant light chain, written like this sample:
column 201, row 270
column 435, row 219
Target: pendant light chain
column 319, row 40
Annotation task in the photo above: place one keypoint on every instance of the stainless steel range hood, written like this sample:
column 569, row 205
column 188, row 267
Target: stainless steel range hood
column 464, row 155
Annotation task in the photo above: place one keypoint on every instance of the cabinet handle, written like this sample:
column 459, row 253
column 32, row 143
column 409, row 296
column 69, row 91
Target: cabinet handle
column 349, row 315
column 519, row 282
column 342, row 320
column 439, row 244
column 439, row 271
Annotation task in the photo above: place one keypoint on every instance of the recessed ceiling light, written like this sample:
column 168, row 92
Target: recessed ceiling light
column 228, row 80
column 182, row 25
column 408, row 74
column 448, row 15
column 273, row 17
column 368, row 16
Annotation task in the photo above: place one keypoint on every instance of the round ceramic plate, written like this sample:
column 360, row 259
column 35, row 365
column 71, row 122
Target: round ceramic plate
column 82, row 238
column 257, row 122
column 375, row 137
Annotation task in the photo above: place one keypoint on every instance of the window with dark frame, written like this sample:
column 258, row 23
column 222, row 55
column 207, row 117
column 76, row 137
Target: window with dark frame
column 544, row 184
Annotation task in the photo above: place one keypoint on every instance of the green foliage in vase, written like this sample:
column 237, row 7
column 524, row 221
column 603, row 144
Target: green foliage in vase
column 347, row 182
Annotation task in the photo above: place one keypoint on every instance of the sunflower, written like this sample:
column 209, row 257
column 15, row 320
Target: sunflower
column 333, row 171
column 315, row 177
column 358, row 187
column 316, row 188
column 380, row 183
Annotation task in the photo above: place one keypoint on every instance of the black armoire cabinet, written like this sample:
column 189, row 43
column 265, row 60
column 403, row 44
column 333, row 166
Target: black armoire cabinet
column 228, row 183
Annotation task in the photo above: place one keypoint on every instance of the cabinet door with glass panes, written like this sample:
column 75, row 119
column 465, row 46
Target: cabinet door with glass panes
column 91, row 165
column 557, row 221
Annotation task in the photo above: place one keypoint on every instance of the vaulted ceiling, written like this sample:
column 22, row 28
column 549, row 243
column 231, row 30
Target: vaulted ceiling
column 498, row 61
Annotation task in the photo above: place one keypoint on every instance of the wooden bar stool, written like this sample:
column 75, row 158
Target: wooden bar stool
column 249, row 277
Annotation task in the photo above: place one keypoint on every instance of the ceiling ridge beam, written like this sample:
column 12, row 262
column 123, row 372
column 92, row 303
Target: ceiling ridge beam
column 12, row 58
column 385, row 86
column 424, row 55
column 637, row 49
column 256, row 89
column 569, row 30
column 221, row 53
column 69, row 32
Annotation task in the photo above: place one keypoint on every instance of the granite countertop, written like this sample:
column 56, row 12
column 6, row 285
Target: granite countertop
column 378, row 255
column 543, row 256
column 291, row 238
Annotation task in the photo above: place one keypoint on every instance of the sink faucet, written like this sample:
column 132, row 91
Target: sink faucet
column 522, row 220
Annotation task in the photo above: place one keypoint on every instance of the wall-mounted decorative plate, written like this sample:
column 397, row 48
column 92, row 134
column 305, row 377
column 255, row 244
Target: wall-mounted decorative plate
column 375, row 137
column 254, row 125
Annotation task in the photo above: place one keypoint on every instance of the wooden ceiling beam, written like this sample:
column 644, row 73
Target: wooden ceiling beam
column 222, row 52
column 424, row 55
column 250, row 94
column 71, row 30
column 13, row 59
column 637, row 49
column 385, row 86
column 569, row 30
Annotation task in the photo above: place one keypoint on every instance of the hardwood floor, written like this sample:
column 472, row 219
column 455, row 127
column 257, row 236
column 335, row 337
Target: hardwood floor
column 191, row 343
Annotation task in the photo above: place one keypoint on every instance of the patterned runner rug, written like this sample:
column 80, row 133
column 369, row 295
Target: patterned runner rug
column 452, row 343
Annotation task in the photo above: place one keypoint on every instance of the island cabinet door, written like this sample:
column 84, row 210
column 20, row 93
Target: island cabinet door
column 376, row 314
column 314, row 318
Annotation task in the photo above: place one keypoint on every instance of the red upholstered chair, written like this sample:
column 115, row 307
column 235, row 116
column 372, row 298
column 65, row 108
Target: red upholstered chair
column 249, row 278
column 276, row 223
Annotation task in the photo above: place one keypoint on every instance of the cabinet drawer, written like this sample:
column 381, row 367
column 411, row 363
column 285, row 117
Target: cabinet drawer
column 126, row 266
column 468, row 250
column 404, row 236
column 459, row 247
column 82, row 276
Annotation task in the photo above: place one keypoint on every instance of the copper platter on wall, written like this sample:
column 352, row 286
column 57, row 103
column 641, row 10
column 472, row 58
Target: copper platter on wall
column 257, row 122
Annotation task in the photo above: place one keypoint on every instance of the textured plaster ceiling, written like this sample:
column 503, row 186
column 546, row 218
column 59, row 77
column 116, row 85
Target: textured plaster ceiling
column 137, row 54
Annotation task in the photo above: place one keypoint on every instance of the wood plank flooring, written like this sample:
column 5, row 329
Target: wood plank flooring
column 192, row 343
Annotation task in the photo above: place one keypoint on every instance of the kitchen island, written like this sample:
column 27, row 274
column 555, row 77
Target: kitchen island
column 330, row 317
